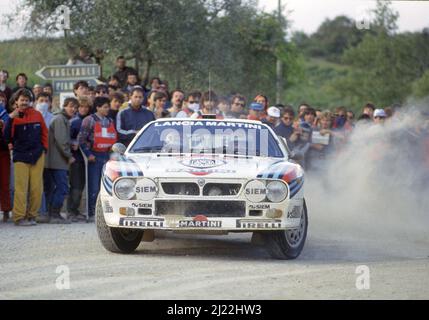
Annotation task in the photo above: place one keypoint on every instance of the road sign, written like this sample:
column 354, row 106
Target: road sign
column 67, row 85
column 75, row 72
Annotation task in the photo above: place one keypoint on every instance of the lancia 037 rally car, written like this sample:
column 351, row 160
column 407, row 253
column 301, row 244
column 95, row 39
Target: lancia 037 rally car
column 203, row 176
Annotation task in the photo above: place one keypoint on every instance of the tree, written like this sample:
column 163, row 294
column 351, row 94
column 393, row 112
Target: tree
column 182, row 40
column 384, row 64
column 331, row 39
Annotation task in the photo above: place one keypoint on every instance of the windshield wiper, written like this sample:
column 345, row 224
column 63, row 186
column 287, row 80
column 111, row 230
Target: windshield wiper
column 148, row 149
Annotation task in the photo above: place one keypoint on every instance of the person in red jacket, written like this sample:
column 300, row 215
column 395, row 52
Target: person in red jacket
column 26, row 131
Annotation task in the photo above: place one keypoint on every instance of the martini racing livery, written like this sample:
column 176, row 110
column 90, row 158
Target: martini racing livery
column 203, row 176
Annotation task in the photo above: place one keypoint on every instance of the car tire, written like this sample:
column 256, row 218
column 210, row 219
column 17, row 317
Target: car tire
column 287, row 244
column 117, row 240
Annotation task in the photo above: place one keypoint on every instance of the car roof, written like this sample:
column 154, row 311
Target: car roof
column 217, row 120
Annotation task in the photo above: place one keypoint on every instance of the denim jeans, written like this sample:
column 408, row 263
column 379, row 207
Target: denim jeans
column 77, row 185
column 56, row 187
column 94, row 179
column 44, row 208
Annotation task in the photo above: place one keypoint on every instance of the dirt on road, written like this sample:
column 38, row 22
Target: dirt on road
column 34, row 261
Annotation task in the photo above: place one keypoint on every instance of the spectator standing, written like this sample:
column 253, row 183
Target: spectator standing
column 368, row 109
column 43, row 105
column 159, row 102
column 84, row 57
column 310, row 116
column 77, row 168
column 5, row 197
column 350, row 117
column 224, row 107
column 113, row 81
column 117, row 99
column 177, row 97
column 285, row 128
column 273, row 117
column 122, row 71
column 21, row 83
column 150, row 101
column 155, row 83
column 81, row 89
column 301, row 110
column 131, row 82
column 37, row 89
column 261, row 99
column 379, row 116
column 255, row 111
column 27, row 132
column 4, row 75
column 48, row 89
column 321, row 143
column 191, row 105
column 209, row 102
column 101, row 90
column 302, row 144
column 131, row 119
column 58, row 159
column 340, row 122
column 238, row 104
column 96, row 137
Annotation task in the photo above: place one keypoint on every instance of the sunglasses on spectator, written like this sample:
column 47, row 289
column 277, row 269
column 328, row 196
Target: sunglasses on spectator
column 287, row 118
column 191, row 102
column 239, row 104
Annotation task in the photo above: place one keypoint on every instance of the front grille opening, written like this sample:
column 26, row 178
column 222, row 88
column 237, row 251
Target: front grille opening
column 255, row 213
column 181, row 188
column 146, row 212
column 221, row 189
column 192, row 208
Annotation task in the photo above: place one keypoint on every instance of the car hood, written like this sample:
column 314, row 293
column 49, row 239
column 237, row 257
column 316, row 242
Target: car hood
column 218, row 166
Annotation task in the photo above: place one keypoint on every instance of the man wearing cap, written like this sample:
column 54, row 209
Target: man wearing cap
column 379, row 116
column 255, row 111
column 273, row 116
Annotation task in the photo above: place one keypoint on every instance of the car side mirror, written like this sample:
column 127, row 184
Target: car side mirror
column 297, row 156
column 119, row 148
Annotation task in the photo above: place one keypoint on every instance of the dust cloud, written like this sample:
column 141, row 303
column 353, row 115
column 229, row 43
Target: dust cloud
column 376, row 189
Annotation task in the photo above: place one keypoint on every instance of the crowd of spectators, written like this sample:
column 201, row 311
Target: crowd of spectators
column 43, row 147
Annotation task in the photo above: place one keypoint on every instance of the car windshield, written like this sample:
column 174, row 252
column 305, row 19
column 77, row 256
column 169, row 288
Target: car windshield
column 212, row 137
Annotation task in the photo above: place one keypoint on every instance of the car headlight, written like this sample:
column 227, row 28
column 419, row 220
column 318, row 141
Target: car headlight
column 276, row 191
column 124, row 189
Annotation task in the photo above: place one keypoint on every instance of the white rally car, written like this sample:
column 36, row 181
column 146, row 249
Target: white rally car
column 203, row 176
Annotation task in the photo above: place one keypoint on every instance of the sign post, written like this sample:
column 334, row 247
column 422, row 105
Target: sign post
column 63, row 77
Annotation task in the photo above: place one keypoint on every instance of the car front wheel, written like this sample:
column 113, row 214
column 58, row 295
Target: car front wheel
column 287, row 244
column 118, row 240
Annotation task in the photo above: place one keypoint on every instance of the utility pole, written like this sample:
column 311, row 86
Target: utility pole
column 279, row 63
